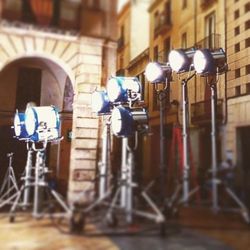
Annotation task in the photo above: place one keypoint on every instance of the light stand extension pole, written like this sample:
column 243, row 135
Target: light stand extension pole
column 162, row 142
column 104, row 164
column 28, row 176
column 214, row 146
column 186, row 166
column 39, row 180
column 124, row 171
column 161, row 97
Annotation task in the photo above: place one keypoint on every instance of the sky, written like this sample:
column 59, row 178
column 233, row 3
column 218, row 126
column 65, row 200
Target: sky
column 121, row 4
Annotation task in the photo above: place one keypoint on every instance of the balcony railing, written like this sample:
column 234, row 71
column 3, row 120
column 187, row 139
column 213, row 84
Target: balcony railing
column 162, row 24
column 212, row 41
column 201, row 112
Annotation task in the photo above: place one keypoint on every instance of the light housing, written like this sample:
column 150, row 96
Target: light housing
column 42, row 123
column 156, row 72
column 210, row 61
column 100, row 103
column 125, row 122
column 19, row 126
column 180, row 60
column 122, row 89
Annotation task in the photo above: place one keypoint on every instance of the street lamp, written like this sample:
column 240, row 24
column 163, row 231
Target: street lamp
column 180, row 61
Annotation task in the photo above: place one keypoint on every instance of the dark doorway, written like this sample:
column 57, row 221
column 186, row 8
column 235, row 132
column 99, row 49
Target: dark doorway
column 243, row 163
column 28, row 87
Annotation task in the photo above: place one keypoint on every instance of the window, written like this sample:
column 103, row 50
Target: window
column 236, row 14
column 184, row 40
column 184, row 4
column 210, row 30
column 247, row 25
column 141, row 78
column 156, row 20
column 156, row 53
column 247, row 7
column 248, row 69
column 167, row 48
column 168, row 12
column 248, row 88
column 237, row 47
column 237, row 90
column 237, row 30
column 237, row 73
column 247, row 42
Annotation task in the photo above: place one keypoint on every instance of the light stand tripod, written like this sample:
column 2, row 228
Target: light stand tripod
column 125, row 188
column 216, row 181
column 9, row 184
column 39, row 182
column 128, row 183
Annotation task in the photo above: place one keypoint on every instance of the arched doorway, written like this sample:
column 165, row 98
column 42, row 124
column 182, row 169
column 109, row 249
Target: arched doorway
column 44, row 82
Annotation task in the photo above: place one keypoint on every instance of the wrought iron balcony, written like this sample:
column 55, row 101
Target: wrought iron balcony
column 201, row 112
column 212, row 41
column 162, row 24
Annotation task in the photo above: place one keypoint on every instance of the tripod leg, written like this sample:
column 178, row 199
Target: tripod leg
column 244, row 209
column 60, row 201
column 4, row 182
column 13, row 208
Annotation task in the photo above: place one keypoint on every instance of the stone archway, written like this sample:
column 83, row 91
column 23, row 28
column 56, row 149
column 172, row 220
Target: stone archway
column 81, row 59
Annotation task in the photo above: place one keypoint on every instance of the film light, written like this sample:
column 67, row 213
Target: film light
column 210, row 61
column 180, row 60
column 156, row 72
column 42, row 123
column 125, row 122
column 19, row 126
column 123, row 89
column 100, row 103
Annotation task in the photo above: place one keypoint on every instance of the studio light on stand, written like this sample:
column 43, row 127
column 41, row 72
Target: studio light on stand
column 42, row 125
column 128, row 123
column 180, row 61
column 160, row 74
column 124, row 90
column 213, row 63
column 102, row 107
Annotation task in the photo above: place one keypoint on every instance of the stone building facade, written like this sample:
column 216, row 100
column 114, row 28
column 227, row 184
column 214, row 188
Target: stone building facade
column 209, row 24
column 48, row 44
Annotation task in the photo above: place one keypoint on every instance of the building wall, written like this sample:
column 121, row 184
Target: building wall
column 81, row 59
column 239, row 101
